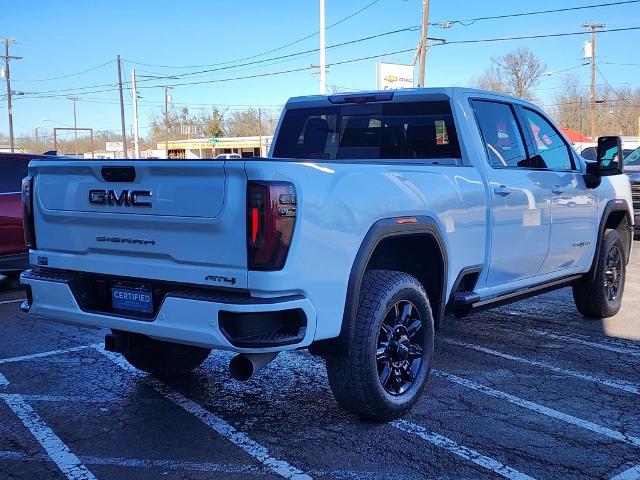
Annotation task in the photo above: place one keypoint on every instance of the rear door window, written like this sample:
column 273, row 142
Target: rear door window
column 412, row 130
column 11, row 174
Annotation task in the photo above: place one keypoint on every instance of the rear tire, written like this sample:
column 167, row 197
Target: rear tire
column 388, row 363
column 164, row 359
column 602, row 297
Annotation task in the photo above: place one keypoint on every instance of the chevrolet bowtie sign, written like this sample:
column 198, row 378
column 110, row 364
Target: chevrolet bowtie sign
column 393, row 76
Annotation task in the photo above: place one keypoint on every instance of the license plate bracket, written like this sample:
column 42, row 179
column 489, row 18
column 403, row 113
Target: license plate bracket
column 132, row 297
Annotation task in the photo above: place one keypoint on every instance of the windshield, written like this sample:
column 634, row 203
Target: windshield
column 375, row 131
column 633, row 159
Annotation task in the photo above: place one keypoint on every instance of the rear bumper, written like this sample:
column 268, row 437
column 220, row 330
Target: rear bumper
column 183, row 317
column 14, row 262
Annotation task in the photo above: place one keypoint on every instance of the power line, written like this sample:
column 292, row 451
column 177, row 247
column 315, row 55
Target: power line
column 466, row 23
column 313, row 50
column 295, row 54
column 613, row 89
column 621, row 64
column 546, row 35
column 294, row 70
column 282, row 47
column 305, row 52
column 70, row 74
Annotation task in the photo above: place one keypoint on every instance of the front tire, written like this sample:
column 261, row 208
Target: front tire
column 164, row 359
column 602, row 297
column 389, row 359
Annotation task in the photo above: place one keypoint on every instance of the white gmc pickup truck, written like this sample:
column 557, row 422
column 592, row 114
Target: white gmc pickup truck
column 374, row 216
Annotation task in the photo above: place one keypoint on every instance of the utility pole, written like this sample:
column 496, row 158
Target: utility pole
column 7, row 58
column 136, row 133
column 124, row 128
column 166, row 119
column 75, row 124
column 260, row 130
column 323, row 60
column 593, row 27
column 423, row 42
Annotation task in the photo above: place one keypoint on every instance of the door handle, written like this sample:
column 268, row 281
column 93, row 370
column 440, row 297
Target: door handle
column 502, row 190
column 558, row 189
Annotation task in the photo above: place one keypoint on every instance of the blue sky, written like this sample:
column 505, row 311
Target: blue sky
column 59, row 38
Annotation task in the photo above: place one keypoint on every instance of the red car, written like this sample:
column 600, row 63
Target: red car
column 13, row 253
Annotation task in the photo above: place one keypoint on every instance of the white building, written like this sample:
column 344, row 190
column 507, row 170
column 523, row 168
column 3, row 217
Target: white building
column 211, row 147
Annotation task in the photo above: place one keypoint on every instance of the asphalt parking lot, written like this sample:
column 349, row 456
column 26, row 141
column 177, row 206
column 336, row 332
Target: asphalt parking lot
column 530, row 390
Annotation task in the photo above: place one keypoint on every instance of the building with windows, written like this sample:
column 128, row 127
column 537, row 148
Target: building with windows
column 211, row 147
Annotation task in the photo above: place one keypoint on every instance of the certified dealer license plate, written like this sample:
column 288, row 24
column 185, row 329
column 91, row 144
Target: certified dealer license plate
column 135, row 297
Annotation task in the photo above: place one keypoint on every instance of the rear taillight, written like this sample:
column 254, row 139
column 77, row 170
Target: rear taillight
column 271, row 218
column 27, row 213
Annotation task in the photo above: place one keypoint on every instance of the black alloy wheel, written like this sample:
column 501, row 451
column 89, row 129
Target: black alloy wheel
column 399, row 352
column 599, row 293
column 612, row 274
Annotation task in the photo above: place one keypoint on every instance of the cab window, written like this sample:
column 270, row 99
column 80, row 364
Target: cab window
column 400, row 130
column 553, row 151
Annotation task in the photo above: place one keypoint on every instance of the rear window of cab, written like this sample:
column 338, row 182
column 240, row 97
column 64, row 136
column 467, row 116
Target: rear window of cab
column 411, row 130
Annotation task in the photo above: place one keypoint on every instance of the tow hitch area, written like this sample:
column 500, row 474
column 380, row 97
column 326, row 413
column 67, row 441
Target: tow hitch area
column 119, row 342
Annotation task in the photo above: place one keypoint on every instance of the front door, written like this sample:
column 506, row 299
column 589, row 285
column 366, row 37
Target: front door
column 574, row 207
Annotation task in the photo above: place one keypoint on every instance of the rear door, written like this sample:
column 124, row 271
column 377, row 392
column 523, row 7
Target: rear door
column 574, row 214
column 12, row 171
column 181, row 221
column 520, row 223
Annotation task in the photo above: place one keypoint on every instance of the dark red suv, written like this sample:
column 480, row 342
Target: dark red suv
column 13, row 253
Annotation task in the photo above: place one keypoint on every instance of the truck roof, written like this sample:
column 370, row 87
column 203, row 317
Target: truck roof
column 404, row 95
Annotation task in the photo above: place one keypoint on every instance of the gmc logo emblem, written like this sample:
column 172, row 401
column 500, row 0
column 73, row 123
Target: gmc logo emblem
column 125, row 198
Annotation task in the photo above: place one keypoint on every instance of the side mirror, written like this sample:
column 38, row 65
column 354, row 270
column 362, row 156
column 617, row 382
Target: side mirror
column 609, row 160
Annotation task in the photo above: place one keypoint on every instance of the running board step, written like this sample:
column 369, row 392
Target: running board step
column 464, row 302
column 465, row 298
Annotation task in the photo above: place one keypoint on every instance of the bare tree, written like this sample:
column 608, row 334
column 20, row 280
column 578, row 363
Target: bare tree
column 617, row 111
column 491, row 79
column 251, row 122
column 183, row 124
column 514, row 73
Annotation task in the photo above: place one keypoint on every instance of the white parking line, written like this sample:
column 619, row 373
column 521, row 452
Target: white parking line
column 240, row 439
column 6, row 302
column 22, row 358
column 147, row 463
column 632, row 474
column 92, row 399
column 550, row 412
column 3, row 381
column 460, row 450
column 603, row 345
column 180, row 465
column 613, row 383
column 57, row 450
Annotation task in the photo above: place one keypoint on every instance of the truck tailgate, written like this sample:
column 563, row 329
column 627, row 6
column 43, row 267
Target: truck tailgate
column 181, row 221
